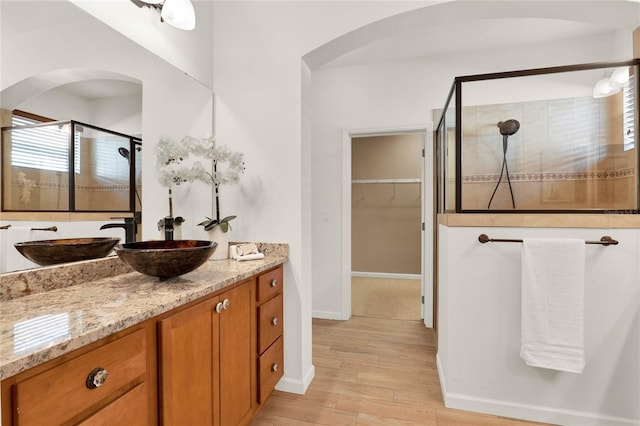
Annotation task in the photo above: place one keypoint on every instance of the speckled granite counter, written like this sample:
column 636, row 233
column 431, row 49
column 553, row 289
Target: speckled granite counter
column 45, row 325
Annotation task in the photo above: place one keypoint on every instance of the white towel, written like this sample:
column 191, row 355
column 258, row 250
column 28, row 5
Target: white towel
column 242, row 252
column 553, row 303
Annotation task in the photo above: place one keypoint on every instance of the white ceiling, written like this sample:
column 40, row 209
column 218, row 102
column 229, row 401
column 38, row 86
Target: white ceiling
column 454, row 27
column 101, row 89
column 482, row 34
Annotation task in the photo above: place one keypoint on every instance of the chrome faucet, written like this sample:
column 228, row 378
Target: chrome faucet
column 129, row 227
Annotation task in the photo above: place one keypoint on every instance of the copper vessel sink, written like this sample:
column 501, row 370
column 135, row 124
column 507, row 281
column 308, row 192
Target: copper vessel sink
column 52, row 252
column 165, row 259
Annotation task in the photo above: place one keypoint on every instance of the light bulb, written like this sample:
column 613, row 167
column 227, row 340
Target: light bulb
column 604, row 88
column 179, row 14
column 619, row 77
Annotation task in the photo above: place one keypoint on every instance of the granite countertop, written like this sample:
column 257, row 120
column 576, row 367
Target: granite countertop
column 41, row 326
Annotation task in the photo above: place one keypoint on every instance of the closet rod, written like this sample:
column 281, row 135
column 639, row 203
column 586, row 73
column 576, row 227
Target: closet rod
column 605, row 241
column 386, row 181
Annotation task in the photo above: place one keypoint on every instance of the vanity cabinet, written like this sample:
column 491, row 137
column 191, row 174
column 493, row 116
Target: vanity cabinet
column 212, row 361
column 207, row 371
column 270, row 353
column 109, row 382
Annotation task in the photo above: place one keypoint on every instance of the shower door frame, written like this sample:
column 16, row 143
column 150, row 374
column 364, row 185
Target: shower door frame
column 133, row 142
column 456, row 91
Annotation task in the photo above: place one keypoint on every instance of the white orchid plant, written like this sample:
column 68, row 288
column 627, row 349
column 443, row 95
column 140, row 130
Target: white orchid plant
column 227, row 166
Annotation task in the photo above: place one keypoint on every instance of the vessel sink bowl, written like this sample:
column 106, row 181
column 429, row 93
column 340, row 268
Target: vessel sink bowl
column 52, row 252
column 165, row 259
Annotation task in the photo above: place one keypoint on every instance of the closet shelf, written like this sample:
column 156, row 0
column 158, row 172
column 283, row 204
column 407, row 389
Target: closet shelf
column 386, row 181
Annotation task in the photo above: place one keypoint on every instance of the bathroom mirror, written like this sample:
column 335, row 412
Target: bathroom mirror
column 49, row 45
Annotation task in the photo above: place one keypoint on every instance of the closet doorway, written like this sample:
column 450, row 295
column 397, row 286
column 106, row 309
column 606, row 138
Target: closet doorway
column 387, row 210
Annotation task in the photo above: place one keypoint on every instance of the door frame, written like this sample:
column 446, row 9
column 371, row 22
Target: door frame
column 428, row 216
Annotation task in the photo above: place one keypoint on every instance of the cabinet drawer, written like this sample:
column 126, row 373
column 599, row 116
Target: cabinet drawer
column 269, row 284
column 270, row 369
column 130, row 409
column 59, row 394
column 269, row 323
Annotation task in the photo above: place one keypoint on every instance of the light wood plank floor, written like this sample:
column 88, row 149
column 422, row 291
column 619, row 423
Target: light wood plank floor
column 371, row 372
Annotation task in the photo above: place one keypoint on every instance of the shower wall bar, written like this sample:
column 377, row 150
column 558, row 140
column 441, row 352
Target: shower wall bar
column 605, row 241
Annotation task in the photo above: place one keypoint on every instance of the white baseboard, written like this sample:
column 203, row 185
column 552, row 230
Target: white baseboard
column 286, row 384
column 534, row 413
column 385, row 275
column 330, row 315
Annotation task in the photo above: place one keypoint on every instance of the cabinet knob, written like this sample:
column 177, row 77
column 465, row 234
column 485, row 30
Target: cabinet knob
column 96, row 378
column 274, row 367
column 274, row 283
column 225, row 304
column 219, row 307
column 274, row 321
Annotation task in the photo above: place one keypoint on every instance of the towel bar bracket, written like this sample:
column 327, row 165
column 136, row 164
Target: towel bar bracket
column 604, row 241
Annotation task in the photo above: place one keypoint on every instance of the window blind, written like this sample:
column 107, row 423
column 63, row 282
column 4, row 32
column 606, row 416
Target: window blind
column 44, row 148
column 629, row 114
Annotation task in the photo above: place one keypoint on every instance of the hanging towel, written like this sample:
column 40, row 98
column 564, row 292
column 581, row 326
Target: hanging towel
column 553, row 303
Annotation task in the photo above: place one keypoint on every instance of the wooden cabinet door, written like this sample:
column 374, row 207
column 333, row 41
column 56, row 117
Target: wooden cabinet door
column 237, row 362
column 186, row 363
column 131, row 409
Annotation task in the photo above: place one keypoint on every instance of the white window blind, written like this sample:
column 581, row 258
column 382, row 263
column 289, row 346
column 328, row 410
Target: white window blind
column 44, row 148
column 629, row 114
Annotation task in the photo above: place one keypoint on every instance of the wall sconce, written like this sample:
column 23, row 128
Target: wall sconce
column 177, row 13
column 613, row 84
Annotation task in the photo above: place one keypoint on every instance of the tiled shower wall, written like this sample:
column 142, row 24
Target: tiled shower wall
column 568, row 154
column 36, row 189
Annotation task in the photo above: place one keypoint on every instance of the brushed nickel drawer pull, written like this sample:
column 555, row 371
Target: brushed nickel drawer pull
column 274, row 321
column 96, row 378
column 274, row 282
column 225, row 304
column 219, row 307
column 274, row 367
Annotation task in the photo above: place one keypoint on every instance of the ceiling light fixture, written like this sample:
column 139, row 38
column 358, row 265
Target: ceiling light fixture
column 604, row 88
column 613, row 84
column 177, row 13
column 620, row 77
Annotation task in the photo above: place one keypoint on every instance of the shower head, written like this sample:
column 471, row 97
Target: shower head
column 509, row 127
column 124, row 152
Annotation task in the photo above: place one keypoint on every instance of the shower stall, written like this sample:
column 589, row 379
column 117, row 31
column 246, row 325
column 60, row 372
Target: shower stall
column 559, row 139
column 70, row 166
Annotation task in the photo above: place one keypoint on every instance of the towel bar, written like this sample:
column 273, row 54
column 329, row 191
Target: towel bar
column 605, row 241
column 51, row 228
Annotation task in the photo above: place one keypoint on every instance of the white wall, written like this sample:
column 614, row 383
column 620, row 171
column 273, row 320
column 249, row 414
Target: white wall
column 121, row 114
column 478, row 359
column 188, row 51
column 258, row 48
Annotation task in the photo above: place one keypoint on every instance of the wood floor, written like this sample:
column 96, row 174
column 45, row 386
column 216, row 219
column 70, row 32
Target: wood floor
column 371, row 372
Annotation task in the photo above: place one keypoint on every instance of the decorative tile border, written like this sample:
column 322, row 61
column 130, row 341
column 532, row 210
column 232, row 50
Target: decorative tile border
column 58, row 186
column 553, row 176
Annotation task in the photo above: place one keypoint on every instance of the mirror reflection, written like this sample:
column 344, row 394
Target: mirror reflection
column 95, row 82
